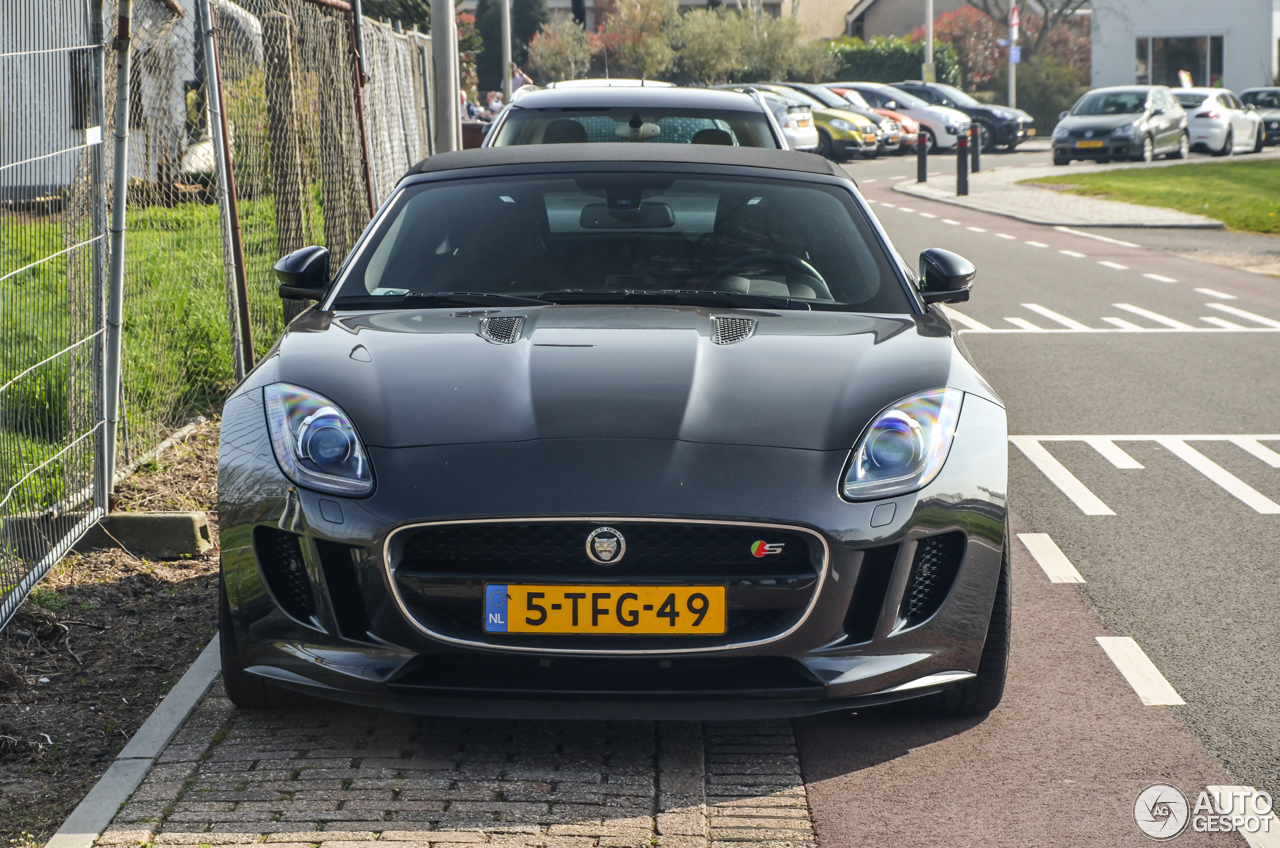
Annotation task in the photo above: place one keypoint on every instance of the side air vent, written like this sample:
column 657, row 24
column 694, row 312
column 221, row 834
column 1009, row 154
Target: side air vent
column 280, row 556
column 504, row 329
column 726, row 330
column 933, row 571
column 868, row 594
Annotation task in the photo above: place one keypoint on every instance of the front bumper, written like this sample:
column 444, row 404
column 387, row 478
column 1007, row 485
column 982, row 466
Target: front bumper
column 855, row 645
column 1110, row 149
column 1013, row 133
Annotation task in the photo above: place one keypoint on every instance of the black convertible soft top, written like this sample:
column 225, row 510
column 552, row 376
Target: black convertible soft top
column 693, row 154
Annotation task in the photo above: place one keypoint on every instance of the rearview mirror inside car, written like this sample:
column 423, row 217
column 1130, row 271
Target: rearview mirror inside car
column 945, row 277
column 650, row 215
column 304, row 274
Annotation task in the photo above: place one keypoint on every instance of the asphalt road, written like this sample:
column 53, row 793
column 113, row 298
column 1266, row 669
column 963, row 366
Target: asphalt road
column 1174, row 538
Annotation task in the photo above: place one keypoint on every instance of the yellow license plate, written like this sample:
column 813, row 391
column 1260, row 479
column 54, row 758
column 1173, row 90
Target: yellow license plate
column 1088, row 144
column 1031, row 131
column 588, row 610
column 803, row 124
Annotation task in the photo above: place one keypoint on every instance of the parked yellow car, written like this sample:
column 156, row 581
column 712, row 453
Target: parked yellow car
column 841, row 134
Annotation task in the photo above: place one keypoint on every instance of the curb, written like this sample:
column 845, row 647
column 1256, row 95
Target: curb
column 92, row 816
column 905, row 188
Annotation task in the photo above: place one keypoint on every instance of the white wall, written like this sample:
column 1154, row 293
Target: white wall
column 1249, row 29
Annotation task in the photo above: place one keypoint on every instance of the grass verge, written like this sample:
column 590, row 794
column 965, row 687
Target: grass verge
column 1243, row 195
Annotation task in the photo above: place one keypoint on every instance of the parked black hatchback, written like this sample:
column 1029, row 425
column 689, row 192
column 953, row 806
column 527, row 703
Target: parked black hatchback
column 1001, row 125
column 594, row 430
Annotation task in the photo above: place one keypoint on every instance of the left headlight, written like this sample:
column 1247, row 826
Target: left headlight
column 315, row 442
column 905, row 447
column 1127, row 131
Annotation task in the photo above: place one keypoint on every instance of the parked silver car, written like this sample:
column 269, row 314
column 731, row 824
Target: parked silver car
column 1136, row 122
column 796, row 121
column 1219, row 123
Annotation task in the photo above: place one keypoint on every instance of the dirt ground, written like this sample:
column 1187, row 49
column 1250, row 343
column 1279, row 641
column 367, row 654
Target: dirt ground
column 101, row 641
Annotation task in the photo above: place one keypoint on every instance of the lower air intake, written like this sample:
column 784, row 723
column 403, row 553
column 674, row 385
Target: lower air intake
column 280, row 555
column 730, row 330
column 933, row 571
column 501, row 330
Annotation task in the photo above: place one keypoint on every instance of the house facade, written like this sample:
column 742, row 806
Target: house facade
column 1233, row 43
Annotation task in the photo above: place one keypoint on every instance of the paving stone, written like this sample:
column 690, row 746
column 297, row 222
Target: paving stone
column 727, row 834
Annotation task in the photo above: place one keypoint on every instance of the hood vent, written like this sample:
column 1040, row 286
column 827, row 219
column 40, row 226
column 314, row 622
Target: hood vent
column 729, row 330
column 502, row 330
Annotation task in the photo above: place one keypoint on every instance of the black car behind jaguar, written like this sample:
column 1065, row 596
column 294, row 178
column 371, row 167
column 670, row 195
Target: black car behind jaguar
column 617, row 431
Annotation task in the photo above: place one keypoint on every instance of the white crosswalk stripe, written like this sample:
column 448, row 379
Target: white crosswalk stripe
column 1252, row 323
column 1179, row 445
column 1147, row 681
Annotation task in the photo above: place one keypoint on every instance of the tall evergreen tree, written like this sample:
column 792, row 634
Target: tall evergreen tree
column 527, row 18
column 489, row 60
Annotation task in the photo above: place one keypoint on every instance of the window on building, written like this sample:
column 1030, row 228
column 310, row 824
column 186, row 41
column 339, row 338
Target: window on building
column 1159, row 60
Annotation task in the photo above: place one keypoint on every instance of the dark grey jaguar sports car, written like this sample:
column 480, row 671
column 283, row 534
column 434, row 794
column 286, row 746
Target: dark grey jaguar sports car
column 649, row 431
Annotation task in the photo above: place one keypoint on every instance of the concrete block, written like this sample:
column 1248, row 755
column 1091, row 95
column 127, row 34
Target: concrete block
column 159, row 535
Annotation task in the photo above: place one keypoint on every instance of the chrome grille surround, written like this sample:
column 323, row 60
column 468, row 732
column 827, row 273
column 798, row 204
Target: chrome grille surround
column 729, row 329
column 412, row 619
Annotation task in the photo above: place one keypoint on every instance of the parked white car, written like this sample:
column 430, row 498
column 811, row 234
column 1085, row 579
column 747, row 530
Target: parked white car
column 1219, row 123
column 941, row 124
column 796, row 122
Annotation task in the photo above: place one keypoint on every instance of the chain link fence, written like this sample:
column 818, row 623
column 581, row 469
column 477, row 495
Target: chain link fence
column 312, row 152
column 52, row 263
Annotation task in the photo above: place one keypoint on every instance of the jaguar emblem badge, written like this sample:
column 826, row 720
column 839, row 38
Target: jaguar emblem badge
column 1088, row 133
column 605, row 546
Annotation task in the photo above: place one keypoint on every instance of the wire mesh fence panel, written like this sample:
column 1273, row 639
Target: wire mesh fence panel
column 394, row 105
column 53, row 252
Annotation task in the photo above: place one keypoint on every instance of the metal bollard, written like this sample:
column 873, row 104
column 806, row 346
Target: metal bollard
column 962, row 165
column 922, row 157
column 975, row 145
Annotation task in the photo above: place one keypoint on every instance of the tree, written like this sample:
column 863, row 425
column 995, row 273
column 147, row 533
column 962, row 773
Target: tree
column 408, row 12
column 1055, row 12
column 560, row 51
column 639, row 36
column 489, row 61
column 973, row 35
column 527, row 19
column 709, row 45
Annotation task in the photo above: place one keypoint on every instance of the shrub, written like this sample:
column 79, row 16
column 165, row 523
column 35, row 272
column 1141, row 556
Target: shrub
column 711, row 45
column 639, row 33
column 560, row 52
column 891, row 60
column 1046, row 87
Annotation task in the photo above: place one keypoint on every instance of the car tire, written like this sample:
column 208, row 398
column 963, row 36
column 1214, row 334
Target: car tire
column 929, row 139
column 987, row 137
column 1261, row 140
column 1060, row 160
column 1184, row 149
column 248, row 691
column 1228, row 145
column 982, row 694
column 1148, row 150
column 824, row 145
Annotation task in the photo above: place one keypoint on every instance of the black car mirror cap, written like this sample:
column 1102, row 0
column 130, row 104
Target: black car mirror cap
column 304, row 274
column 945, row 277
column 1159, row 110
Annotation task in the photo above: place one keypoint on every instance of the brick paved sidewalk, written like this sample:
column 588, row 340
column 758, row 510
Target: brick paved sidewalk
column 345, row 778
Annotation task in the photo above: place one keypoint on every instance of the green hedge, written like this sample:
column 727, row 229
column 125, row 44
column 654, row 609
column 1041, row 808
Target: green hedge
column 892, row 60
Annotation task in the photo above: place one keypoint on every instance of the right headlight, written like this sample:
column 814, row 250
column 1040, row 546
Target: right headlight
column 1059, row 133
column 315, row 442
column 843, row 125
column 905, row 447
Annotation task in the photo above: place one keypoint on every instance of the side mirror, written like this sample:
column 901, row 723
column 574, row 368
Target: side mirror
column 945, row 277
column 304, row 274
column 1159, row 110
column 1062, row 115
column 891, row 105
column 1250, row 107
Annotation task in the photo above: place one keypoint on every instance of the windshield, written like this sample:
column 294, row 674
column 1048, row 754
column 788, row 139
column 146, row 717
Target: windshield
column 956, row 96
column 1112, row 103
column 1191, row 100
column 826, row 97
column 610, row 233
column 648, row 125
column 904, row 98
column 1265, row 98
column 851, row 96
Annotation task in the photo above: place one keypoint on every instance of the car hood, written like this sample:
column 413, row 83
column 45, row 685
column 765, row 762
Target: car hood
column 827, row 114
column 1099, row 123
column 809, row 380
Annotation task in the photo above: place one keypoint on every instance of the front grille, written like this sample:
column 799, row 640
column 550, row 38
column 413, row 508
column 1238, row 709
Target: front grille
column 729, row 330
column 440, row 572
column 933, row 570
column 501, row 330
column 280, row 557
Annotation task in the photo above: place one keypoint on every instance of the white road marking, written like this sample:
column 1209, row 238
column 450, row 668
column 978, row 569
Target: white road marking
column 1050, row 558
column 927, row 215
column 1212, row 293
column 905, row 209
column 1112, row 453
column 1089, row 503
column 1248, row 316
column 1123, row 324
column 872, row 180
column 1026, row 325
column 1153, row 316
column 1069, row 323
column 975, row 229
column 1035, row 244
column 1256, row 448
column 1115, row 265
column 1006, row 236
column 1097, row 237
column 1160, row 278
column 1232, row 484
column 960, row 318
column 951, row 222
column 1072, row 254
column 1238, row 801
column 1224, row 323
column 1142, row 674
column 887, row 205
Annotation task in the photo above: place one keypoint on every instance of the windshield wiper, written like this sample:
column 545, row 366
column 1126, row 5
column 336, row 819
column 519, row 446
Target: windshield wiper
column 685, row 297
column 429, row 300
